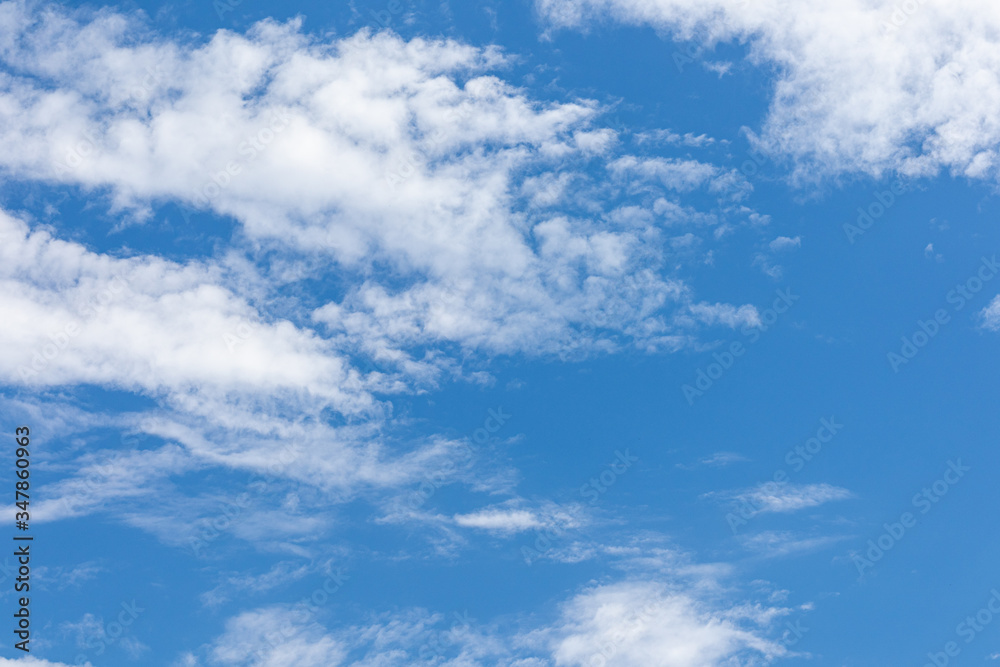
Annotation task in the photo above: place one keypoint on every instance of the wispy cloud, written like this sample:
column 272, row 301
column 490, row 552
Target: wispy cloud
column 784, row 498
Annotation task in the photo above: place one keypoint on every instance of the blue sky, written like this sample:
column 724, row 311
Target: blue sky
column 536, row 334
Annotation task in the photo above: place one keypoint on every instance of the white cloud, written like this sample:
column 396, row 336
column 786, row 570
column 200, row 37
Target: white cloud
column 787, row 497
column 499, row 521
column 32, row 662
column 512, row 517
column 368, row 150
column 783, row 243
column 148, row 325
column 716, row 460
column 670, row 137
column 276, row 636
column 783, row 543
column 668, row 611
column 645, row 623
column 862, row 86
column 634, row 622
column 990, row 315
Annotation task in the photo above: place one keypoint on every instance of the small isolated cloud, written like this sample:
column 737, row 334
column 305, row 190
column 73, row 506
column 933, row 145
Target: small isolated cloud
column 783, row 543
column 510, row 518
column 990, row 315
column 930, row 254
column 499, row 521
column 774, row 271
column 784, row 498
column 721, row 67
column 784, row 243
column 716, row 460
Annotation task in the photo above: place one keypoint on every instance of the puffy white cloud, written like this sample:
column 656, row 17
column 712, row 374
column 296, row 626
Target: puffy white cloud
column 868, row 86
column 224, row 374
column 405, row 172
column 783, row 243
column 423, row 177
column 667, row 612
column 633, row 622
column 645, row 623
column 152, row 326
column 500, row 521
column 276, row 636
